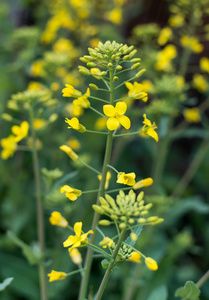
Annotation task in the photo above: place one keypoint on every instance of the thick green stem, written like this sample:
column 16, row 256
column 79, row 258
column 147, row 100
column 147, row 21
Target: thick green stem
column 109, row 269
column 89, row 256
column 203, row 279
column 39, row 212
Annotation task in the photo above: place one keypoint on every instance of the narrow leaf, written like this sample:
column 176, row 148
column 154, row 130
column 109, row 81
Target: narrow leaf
column 5, row 283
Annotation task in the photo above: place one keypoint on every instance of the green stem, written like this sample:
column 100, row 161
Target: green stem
column 88, row 166
column 203, row 279
column 99, row 99
column 111, row 265
column 111, row 167
column 96, row 111
column 97, row 132
column 39, row 212
column 89, row 256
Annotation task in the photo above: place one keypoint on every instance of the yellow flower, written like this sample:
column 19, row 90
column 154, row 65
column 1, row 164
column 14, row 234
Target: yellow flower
column 62, row 46
column 148, row 86
column 39, row 123
column 142, row 183
column 192, row 115
column 74, row 123
column 115, row 15
column 79, row 239
column 55, row 86
column 100, row 123
column 200, row 83
column 192, row 43
column 20, row 131
column 176, row 21
column 9, row 146
column 74, row 143
column 149, row 128
column 83, row 101
column 151, row 263
column 70, row 91
column 54, row 275
column 75, row 256
column 37, row 68
column 108, row 176
column 165, row 36
column 69, row 152
column 107, row 242
column 128, row 178
column 96, row 72
column 136, row 91
column 164, row 58
column 71, row 193
column 57, row 219
column 116, row 116
column 135, row 257
column 204, row 64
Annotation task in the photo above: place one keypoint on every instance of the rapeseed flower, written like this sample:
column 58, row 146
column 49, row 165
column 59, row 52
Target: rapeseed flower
column 165, row 35
column 151, row 263
column 142, row 183
column 9, row 146
column 54, row 275
column 70, row 91
column 21, row 131
column 149, row 128
column 204, row 64
column 135, row 257
column 128, row 179
column 176, row 20
column 75, row 124
column 107, row 242
column 116, row 116
column 192, row 114
column 69, row 152
column 75, row 256
column 192, row 43
column 79, row 239
column 136, row 91
column 83, row 100
column 71, row 193
column 200, row 83
column 57, row 219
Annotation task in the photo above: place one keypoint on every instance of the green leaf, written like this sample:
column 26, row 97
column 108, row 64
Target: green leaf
column 160, row 293
column 108, row 257
column 189, row 292
column 137, row 230
column 5, row 283
column 105, row 263
column 27, row 250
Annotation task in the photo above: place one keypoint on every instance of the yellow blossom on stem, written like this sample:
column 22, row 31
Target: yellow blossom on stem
column 149, row 128
column 192, row 114
column 108, row 176
column 176, row 20
column 70, row 91
column 135, row 257
column 39, row 123
column 9, row 146
column 74, row 123
column 115, row 15
column 151, row 263
column 69, row 152
column 200, row 83
column 107, row 242
column 83, row 100
column 21, row 131
column 116, row 116
column 71, row 193
column 57, row 219
column 165, row 35
column 75, row 256
column 128, row 179
column 136, row 91
column 54, row 275
column 204, row 64
column 192, row 43
column 79, row 239
column 74, row 143
column 164, row 58
column 142, row 183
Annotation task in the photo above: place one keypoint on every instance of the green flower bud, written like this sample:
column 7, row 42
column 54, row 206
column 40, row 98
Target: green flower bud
column 88, row 57
column 110, row 65
column 119, row 68
column 131, row 221
column 115, row 78
column 140, row 73
column 114, row 217
column 105, row 56
column 98, row 209
column 126, row 57
column 141, row 220
column 113, row 56
column 84, row 70
column 135, row 66
column 111, row 201
column 135, row 60
column 104, row 223
column 132, row 53
column 122, row 225
column 103, row 202
column 83, row 59
column 152, row 219
column 160, row 220
column 123, row 218
column 107, row 209
column 93, row 86
column 148, row 206
column 144, row 212
column 104, row 73
column 140, row 197
column 91, row 64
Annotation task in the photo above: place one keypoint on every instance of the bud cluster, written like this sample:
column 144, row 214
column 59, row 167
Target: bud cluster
column 127, row 210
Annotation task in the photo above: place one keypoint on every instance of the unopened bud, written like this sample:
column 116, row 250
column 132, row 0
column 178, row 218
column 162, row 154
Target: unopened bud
column 104, row 223
column 119, row 68
column 122, row 225
column 98, row 209
column 140, row 73
column 135, row 66
column 135, row 60
column 91, row 64
column 132, row 53
column 115, row 78
column 93, row 86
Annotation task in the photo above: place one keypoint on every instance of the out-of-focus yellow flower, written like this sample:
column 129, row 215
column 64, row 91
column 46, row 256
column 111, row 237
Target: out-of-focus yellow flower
column 70, row 192
column 35, row 86
column 100, row 123
column 69, row 152
column 57, row 219
column 135, row 257
column 75, row 124
column 55, row 86
column 80, row 239
column 108, row 176
column 54, row 275
column 148, row 86
column 61, row 72
column 70, row 91
column 180, row 81
column 165, row 35
column 21, row 131
column 133, row 236
column 128, row 179
column 116, row 116
column 151, row 263
column 136, row 91
column 200, row 83
column 39, row 123
column 192, row 43
column 62, row 46
column 75, row 256
column 142, row 183
column 96, row 72
column 74, row 143
column 107, row 242
column 9, row 146
column 94, row 42
column 83, row 100
column 176, row 20
column 37, row 68
column 115, row 15
column 149, row 128
column 192, row 114
column 164, row 58
column 204, row 64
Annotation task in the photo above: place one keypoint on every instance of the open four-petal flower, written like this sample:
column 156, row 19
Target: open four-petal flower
column 116, row 115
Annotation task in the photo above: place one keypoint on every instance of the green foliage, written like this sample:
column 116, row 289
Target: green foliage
column 189, row 292
column 5, row 283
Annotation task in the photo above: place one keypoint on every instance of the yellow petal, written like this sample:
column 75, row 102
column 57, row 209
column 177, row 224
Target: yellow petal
column 129, row 85
column 151, row 132
column 125, row 122
column 121, row 107
column 109, row 110
column 112, row 123
column 77, row 228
